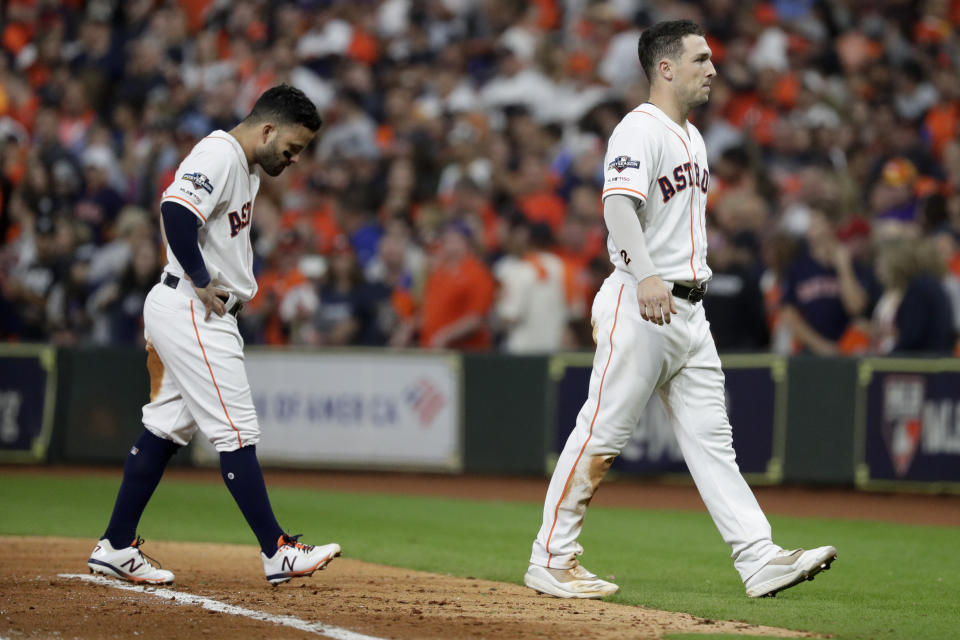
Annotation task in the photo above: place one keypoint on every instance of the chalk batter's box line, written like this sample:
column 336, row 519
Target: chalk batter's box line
column 182, row 598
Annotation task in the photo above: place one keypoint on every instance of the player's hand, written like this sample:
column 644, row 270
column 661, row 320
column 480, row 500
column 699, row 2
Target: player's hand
column 214, row 300
column 656, row 301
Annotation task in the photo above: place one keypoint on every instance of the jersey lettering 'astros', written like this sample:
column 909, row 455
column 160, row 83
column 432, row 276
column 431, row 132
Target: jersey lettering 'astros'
column 652, row 159
column 215, row 183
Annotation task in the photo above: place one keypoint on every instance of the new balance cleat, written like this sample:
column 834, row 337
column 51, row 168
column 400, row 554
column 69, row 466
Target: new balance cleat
column 127, row 563
column 295, row 560
column 788, row 569
column 575, row 582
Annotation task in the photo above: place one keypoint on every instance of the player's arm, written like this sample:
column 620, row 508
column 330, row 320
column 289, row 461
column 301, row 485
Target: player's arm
column 180, row 228
column 655, row 299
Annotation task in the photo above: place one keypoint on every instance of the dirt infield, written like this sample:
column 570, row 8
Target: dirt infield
column 383, row 602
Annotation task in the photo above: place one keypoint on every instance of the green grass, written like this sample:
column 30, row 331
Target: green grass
column 711, row 636
column 891, row 581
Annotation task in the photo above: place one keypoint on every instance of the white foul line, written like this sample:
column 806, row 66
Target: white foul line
column 336, row 633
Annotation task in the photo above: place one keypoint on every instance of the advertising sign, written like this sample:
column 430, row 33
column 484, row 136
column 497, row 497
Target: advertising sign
column 27, row 384
column 357, row 409
column 909, row 422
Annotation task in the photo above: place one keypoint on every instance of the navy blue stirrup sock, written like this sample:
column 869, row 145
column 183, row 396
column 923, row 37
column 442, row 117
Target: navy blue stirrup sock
column 141, row 474
column 242, row 474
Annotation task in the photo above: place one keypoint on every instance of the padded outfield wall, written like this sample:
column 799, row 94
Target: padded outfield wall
column 873, row 423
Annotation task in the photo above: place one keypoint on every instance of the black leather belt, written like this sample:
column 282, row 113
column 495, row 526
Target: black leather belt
column 693, row 294
column 172, row 281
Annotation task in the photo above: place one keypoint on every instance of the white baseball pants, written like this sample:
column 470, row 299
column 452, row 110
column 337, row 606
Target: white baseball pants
column 197, row 377
column 679, row 361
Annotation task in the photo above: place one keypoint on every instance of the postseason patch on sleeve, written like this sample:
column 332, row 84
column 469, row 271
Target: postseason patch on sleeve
column 624, row 162
column 199, row 181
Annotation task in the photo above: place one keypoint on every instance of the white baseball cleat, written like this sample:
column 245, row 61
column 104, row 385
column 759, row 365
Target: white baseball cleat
column 295, row 560
column 789, row 568
column 575, row 582
column 127, row 563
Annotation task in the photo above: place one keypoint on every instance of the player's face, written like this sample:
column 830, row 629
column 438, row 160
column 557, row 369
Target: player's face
column 694, row 71
column 283, row 147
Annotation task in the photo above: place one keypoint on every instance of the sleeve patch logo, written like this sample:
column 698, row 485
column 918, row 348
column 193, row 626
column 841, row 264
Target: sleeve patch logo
column 624, row 162
column 193, row 196
column 198, row 180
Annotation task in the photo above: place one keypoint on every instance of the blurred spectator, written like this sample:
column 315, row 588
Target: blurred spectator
column 734, row 303
column 207, row 69
column 398, row 255
column 458, row 295
column 469, row 113
column 778, row 251
column 262, row 320
column 822, row 290
column 467, row 203
column 580, row 241
column 68, row 317
column 336, row 321
column 531, row 304
column 349, row 132
column 535, row 196
column 517, row 82
column 466, row 159
column 395, row 281
column 100, row 203
column 914, row 313
column 948, row 251
column 132, row 228
column 579, row 333
column 43, row 265
column 300, row 301
column 400, row 199
column 116, row 306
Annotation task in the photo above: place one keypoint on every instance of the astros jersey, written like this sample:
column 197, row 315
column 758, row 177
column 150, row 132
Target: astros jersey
column 652, row 159
column 215, row 183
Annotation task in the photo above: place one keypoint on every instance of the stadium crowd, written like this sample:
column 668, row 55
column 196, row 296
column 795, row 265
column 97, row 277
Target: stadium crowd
column 452, row 199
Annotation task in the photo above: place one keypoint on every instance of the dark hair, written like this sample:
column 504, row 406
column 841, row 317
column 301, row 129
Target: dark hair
column 285, row 104
column 664, row 40
column 541, row 236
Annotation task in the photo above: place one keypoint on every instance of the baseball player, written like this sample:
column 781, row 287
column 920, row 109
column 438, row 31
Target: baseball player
column 652, row 335
column 194, row 350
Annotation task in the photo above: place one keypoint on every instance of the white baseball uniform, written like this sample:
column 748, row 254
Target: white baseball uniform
column 652, row 159
column 197, row 377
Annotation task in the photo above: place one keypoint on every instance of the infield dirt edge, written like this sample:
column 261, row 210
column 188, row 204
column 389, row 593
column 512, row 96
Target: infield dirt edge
column 377, row 600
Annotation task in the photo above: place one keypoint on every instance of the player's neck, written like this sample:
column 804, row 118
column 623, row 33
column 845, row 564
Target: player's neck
column 246, row 136
column 667, row 102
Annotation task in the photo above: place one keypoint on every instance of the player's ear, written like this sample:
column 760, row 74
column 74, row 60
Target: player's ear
column 266, row 129
column 665, row 69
